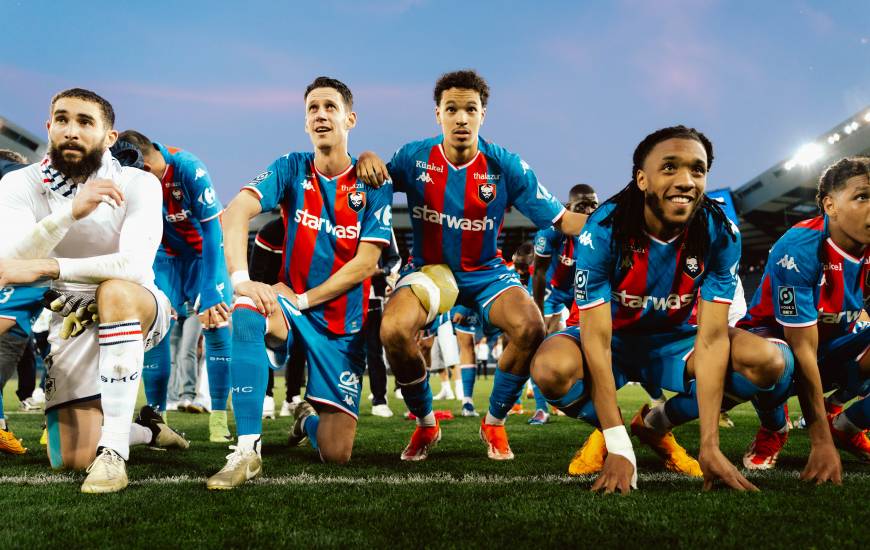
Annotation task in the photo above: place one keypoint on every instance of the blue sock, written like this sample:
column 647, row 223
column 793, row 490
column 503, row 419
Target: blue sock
column 859, row 413
column 155, row 373
column 738, row 389
column 576, row 404
column 218, row 346
column 769, row 402
column 540, row 400
column 654, row 391
column 506, row 390
column 418, row 397
column 469, row 375
column 249, row 370
column 310, row 426
column 2, row 414
column 683, row 407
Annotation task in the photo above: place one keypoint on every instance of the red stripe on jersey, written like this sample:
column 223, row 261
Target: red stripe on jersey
column 175, row 208
column 832, row 293
column 305, row 239
column 574, row 317
column 434, row 191
column 564, row 274
column 683, row 284
column 817, row 223
column 473, row 208
column 282, row 274
column 335, row 311
column 634, row 283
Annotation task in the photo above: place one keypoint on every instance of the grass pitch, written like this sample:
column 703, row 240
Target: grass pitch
column 457, row 498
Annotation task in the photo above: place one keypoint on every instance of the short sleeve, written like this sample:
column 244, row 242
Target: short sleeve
column 793, row 278
column 271, row 184
column 398, row 169
column 720, row 275
column 529, row 195
column 546, row 241
column 196, row 179
column 594, row 259
column 377, row 221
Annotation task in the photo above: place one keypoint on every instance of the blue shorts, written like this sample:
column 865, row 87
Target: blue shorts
column 557, row 301
column 179, row 278
column 470, row 323
column 657, row 360
column 335, row 362
column 21, row 304
column 839, row 359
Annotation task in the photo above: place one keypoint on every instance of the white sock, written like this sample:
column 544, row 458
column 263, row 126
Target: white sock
column 428, row 420
column 121, row 356
column 842, row 423
column 2, row 424
column 140, row 435
column 493, row 421
column 657, row 420
column 459, row 389
column 467, row 400
column 250, row 442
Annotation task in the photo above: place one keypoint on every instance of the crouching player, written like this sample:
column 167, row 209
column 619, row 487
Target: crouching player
column 642, row 259
column 81, row 220
column 336, row 228
column 812, row 293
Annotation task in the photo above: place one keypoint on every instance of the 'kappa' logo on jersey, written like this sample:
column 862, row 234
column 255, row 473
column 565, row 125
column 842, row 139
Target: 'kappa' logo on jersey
column 581, row 277
column 788, row 263
column 787, row 306
column 199, row 173
column 306, row 185
column 486, row 192
column 692, row 267
column 260, row 178
column 177, row 194
column 586, row 239
column 425, row 178
column 356, row 200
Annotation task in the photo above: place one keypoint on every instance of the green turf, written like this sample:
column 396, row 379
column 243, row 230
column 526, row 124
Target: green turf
column 457, row 498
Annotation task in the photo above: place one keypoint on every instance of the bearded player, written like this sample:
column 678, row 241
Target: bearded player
column 91, row 227
column 458, row 187
column 643, row 258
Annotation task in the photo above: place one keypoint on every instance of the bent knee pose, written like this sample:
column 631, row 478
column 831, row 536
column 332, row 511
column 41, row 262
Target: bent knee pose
column 459, row 187
column 813, row 292
column 91, row 226
column 336, row 228
column 646, row 257
column 191, row 271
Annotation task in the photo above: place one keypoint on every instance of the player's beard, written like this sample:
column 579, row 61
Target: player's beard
column 89, row 163
column 654, row 202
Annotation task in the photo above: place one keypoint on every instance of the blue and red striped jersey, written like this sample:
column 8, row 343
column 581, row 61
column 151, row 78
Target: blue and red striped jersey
column 808, row 279
column 189, row 200
column 325, row 220
column 552, row 243
column 457, row 211
column 657, row 292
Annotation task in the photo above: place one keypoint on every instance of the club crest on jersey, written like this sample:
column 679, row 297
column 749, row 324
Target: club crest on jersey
column 177, row 194
column 356, row 200
column 787, row 306
column 692, row 267
column 486, row 192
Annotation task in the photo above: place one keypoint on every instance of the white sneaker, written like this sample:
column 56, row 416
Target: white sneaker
column 285, row 410
column 398, row 393
column 371, row 397
column 445, row 393
column 38, row 396
column 29, row 406
column 240, row 467
column 383, row 411
column 106, row 474
column 268, row 407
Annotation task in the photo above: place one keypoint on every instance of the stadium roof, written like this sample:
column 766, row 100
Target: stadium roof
column 785, row 193
column 20, row 140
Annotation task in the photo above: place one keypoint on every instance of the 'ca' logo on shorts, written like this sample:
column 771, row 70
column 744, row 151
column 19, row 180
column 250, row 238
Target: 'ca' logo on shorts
column 787, row 306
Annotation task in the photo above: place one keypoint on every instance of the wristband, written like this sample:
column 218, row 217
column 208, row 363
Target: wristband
column 302, row 301
column 618, row 443
column 239, row 277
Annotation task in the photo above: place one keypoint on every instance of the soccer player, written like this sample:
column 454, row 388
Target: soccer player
column 92, row 227
column 643, row 258
column 814, row 287
column 190, row 269
column 458, row 187
column 553, row 282
column 336, row 228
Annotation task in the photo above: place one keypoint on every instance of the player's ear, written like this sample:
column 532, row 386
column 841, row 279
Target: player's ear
column 829, row 207
column 438, row 115
column 111, row 138
column 351, row 120
column 640, row 178
column 482, row 115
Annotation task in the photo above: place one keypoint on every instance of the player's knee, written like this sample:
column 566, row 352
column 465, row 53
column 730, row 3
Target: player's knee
column 553, row 373
column 763, row 366
column 528, row 334
column 394, row 334
column 336, row 452
column 115, row 300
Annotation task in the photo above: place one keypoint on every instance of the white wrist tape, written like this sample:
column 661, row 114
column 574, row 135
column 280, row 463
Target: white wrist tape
column 239, row 277
column 302, row 301
column 618, row 443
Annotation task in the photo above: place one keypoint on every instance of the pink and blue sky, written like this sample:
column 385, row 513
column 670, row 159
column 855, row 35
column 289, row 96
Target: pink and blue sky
column 575, row 85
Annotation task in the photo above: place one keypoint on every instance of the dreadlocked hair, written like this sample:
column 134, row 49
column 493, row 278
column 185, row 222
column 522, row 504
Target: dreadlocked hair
column 835, row 176
column 627, row 219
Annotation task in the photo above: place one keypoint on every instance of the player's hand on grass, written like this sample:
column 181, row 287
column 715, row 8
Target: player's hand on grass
column 823, row 465
column 215, row 317
column 371, row 169
column 94, row 192
column 263, row 295
column 615, row 476
column 715, row 467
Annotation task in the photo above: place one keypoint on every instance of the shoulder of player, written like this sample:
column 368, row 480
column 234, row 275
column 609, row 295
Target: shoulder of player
column 801, row 236
column 26, row 180
column 501, row 157
column 596, row 219
column 414, row 148
column 130, row 178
